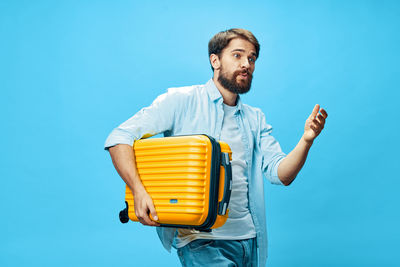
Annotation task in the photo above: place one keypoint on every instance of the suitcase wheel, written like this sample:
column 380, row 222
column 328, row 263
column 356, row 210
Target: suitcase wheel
column 123, row 214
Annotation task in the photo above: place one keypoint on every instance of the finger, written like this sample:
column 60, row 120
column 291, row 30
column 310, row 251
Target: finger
column 324, row 113
column 145, row 220
column 317, row 125
column 152, row 223
column 320, row 119
column 153, row 211
column 140, row 216
column 142, row 213
column 315, row 129
column 145, row 216
column 315, row 111
column 317, row 122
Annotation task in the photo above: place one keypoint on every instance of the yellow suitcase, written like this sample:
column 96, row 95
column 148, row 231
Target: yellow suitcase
column 189, row 179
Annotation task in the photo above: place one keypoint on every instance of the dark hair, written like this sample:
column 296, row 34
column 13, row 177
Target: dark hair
column 222, row 39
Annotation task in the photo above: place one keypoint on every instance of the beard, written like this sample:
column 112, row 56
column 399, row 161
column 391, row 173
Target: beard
column 231, row 84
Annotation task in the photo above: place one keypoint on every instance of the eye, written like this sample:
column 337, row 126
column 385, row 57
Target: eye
column 236, row 55
column 252, row 59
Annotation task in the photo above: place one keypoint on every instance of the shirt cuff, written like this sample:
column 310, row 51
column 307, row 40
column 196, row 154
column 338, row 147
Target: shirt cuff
column 274, row 178
column 119, row 136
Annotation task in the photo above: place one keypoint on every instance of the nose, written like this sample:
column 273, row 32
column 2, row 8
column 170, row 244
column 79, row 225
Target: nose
column 245, row 63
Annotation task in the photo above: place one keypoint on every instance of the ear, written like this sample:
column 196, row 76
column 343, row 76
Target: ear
column 214, row 60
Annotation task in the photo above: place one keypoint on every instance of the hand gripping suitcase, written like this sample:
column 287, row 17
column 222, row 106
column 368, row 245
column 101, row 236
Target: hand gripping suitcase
column 189, row 179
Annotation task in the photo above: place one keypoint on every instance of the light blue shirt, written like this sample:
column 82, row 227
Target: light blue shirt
column 239, row 224
column 198, row 109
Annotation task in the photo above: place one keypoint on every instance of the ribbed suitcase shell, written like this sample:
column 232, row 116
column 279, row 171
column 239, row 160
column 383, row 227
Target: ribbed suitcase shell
column 186, row 178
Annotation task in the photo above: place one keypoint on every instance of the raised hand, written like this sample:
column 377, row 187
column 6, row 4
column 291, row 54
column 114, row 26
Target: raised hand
column 314, row 124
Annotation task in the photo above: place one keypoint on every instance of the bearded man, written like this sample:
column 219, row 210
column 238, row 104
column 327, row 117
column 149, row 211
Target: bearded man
column 215, row 109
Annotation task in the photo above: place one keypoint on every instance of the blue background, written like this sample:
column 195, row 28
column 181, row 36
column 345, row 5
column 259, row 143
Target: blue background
column 71, row 71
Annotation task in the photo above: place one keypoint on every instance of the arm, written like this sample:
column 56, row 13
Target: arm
column 157, row 118
column 123, row 158
column 294, row 161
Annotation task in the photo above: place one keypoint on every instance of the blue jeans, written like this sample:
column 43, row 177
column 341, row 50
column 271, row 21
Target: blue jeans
column 221, row 253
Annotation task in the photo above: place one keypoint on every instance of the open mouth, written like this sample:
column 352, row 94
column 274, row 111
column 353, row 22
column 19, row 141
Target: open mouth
column 243, row 75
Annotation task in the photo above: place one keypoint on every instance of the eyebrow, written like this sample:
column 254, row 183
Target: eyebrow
column 242, row 50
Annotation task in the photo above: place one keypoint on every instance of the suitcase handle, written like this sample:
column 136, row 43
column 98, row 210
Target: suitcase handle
column 223, row 205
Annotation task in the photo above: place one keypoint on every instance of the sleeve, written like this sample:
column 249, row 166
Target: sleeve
column 271, row 151
column 157, row 118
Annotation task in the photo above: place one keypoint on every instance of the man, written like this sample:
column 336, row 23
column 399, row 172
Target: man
column 215, row 108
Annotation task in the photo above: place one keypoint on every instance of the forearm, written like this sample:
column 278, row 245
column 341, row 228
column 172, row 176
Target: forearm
column 123, row 158
column 293, row 162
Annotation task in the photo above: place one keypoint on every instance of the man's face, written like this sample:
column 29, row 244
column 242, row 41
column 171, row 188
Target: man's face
column 237, row 66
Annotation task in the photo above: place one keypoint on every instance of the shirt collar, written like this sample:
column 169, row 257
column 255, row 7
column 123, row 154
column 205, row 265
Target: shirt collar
column 215, row 95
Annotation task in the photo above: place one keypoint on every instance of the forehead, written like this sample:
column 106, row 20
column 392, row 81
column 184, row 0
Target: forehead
column 240, row 44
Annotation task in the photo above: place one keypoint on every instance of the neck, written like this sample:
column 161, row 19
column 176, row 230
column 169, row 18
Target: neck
column 228, row 97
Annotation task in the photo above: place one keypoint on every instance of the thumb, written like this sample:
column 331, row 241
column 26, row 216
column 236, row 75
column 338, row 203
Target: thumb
column 315, row 111
column 153, row 211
